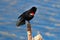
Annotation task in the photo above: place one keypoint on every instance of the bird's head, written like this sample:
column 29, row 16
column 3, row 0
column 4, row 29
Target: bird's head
column 33, row 10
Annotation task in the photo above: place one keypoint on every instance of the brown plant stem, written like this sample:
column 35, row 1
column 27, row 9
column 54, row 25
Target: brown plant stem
column 29, row 32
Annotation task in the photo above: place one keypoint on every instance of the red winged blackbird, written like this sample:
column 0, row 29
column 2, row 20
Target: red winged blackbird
column 27, row 15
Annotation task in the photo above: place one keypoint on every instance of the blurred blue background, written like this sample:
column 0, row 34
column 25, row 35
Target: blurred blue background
column 46, row 20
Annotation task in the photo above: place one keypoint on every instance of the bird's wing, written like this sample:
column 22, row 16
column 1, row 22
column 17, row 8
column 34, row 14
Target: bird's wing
column 22, row 15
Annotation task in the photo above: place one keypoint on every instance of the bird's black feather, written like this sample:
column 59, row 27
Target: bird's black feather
column 26, row 16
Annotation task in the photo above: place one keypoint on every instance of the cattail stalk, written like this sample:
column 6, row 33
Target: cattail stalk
column 29, row 31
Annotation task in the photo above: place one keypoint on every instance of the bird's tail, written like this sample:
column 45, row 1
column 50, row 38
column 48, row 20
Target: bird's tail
column 20, row 22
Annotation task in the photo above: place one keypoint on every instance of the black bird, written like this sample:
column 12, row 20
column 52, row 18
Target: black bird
column 27, row 15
